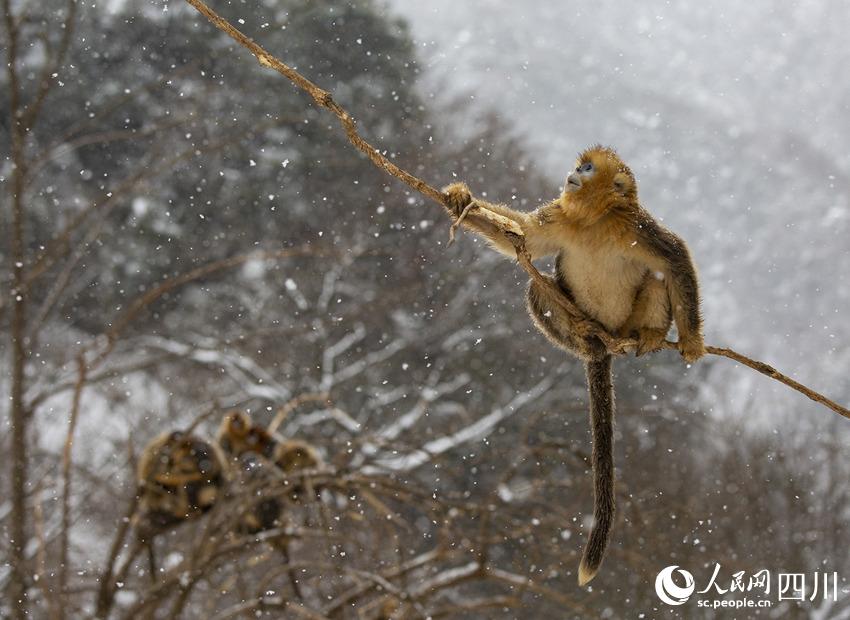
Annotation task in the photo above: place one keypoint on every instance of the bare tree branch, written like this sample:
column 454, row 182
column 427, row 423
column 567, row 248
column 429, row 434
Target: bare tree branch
column 251, row 378
column 294, row 403
column 149, row 297
column 478, row 429
column 19, row 354
column 67, row 461
column 107, row 583
column 30, row 113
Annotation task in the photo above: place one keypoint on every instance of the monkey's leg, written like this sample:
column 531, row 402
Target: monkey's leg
column 669, row 254
column 601, row 391
column 557, row 326
column 650, row 319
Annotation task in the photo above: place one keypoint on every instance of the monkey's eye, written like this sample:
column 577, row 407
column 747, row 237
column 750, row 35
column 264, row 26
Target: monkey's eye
column 585, row 168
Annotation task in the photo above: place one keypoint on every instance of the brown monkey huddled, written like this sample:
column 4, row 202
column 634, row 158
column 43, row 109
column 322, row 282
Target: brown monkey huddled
column 259, row 455
column 180, row 477
column 238, row 435
column 621, row 268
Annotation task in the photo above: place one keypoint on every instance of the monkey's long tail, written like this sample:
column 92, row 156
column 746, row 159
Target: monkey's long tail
column 602, row 426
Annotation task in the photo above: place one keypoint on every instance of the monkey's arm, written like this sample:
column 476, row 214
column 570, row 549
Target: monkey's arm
column 538, row 238
column 668, row 255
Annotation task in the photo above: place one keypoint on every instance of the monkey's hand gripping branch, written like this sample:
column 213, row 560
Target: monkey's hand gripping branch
column 509, row 228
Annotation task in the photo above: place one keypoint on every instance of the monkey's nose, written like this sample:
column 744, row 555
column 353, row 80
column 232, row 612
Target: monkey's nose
column 573, row 182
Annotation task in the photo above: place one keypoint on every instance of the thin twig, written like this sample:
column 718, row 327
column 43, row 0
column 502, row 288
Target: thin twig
column 67, row 462
column 770, row 371
column 147, row 298
column 293, row 403
column 107, row 585
column 266, row 603
column 47, row 592
column 324, row 99
column 45, row 83
column 93, row 378
column 203, row 417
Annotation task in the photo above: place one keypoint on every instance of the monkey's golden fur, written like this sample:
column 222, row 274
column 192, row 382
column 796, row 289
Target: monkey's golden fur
column 621, row 268
column 180, row 477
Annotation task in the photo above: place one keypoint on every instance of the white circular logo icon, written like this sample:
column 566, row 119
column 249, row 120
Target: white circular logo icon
column 668, row 591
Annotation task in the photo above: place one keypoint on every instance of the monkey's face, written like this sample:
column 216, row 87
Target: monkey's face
column 237, row 423
column 600, row 175
column 582, row 174
column 231, row 434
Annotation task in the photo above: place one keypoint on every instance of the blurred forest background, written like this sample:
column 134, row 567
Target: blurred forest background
column 183, row 234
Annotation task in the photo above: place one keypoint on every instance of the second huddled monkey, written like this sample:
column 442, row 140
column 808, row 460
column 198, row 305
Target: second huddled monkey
column 622, row 269
column 238, row 435
column 243, row 441
column 261, row 458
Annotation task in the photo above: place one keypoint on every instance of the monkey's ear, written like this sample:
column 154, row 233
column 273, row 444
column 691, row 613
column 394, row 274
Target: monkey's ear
column 622, row 183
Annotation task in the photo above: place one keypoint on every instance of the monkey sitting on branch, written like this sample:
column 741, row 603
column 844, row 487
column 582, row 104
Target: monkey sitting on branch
column 619, row 267
column 260, row 458
column 180, row 477
column 255, row 450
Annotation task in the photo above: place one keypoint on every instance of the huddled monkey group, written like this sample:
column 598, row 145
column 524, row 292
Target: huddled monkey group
column 622, row 269
column 181, row 476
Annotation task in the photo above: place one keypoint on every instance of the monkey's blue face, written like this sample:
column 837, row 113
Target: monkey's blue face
column 583, row 172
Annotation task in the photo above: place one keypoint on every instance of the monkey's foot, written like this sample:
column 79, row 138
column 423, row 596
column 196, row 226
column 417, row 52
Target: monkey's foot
column 691, row 349
column 650, row 340
column 623, row 343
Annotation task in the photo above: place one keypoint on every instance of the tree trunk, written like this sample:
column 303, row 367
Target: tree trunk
column 18, row 415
